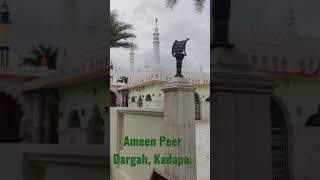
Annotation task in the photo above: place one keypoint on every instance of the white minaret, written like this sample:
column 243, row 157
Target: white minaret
column 156, row 51
column 131, row 61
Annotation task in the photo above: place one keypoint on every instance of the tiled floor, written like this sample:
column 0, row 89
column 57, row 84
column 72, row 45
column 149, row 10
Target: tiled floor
column 203, row 150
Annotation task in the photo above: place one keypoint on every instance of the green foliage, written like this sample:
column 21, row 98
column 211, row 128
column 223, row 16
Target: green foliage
column 120, row 32
column 123, row 79
column 199, row 4
column 37, row 53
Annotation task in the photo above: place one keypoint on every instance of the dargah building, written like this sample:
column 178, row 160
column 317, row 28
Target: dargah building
column 144, row 88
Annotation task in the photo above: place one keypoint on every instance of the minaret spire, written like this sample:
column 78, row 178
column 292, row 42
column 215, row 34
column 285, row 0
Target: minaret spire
column 131, row 61
column 4, row 34
column 291, row 18
column 5, row 15
column 111, row 71
column 156, row 49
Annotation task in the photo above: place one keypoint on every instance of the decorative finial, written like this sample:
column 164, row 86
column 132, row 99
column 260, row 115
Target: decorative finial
column 5, row 13
column 292, row 21
column 291, row 18
column 156, row 22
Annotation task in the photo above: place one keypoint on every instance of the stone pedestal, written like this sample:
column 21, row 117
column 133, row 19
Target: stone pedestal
column 241, row 118
column 179, row 118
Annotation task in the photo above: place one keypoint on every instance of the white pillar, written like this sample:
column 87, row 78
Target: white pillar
column 241, row 119
column 179, row 118
column 156, row 48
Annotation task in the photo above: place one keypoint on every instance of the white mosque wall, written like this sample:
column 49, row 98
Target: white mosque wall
column 154, row 90
column 300, row 99
column 142, row 123
column 82, row 98
column 167, row 75
column 156, row 93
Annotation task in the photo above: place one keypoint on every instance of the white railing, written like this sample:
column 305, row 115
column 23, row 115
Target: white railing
column 167, row 75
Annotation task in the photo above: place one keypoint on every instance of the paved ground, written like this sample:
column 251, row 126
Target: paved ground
column 203, row 150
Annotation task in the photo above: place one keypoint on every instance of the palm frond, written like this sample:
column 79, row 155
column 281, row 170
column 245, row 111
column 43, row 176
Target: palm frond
column 37, row 53
column 120, row 32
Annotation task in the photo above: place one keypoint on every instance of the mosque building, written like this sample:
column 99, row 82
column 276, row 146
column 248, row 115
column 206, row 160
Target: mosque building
column 144, row 88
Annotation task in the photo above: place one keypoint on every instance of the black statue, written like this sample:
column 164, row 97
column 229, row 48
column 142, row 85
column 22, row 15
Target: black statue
column 179, row 52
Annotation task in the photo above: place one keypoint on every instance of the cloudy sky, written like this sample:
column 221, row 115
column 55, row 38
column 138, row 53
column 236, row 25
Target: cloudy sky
column 180, row 23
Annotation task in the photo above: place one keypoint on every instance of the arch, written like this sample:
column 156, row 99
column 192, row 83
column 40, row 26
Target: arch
column 133, row 99
column 281, row 144
column 197, row 106
column 74, row 119
column 95, row 125
column 11, row 114
column 208, row 99
column 148, row 97
column 314, row 120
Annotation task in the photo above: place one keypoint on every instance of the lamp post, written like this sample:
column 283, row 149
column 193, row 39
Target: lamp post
column 179, row 52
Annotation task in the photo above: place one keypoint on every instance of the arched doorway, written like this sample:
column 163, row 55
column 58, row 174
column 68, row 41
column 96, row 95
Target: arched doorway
column 10, row 117
column 197, row 106
column 148, row 98
column 280, row 147
column 74, row 119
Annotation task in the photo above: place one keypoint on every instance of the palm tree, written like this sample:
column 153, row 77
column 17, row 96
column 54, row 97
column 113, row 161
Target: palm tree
column 123, row 79
column 199, row 4
column 41, row 56
column 120, row 32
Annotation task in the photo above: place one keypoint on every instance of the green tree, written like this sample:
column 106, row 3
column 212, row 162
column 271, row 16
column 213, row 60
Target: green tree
column 41, row 55
column 199, row 4
column 120, row 32
column 123, row 79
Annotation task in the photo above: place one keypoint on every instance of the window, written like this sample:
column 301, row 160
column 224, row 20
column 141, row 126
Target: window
column 83, row 112
column 148, row 98
column 74, row 119
column 133, row 99
column 264, row 61
column 284, row 62
column 274, row 62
